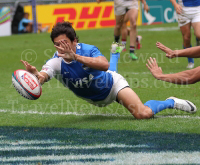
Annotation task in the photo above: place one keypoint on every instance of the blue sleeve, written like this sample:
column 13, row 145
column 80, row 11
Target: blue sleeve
column 26, row 20
column 95, row 52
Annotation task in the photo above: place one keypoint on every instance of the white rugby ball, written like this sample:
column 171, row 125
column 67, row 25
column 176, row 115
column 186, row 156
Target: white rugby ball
column 26, row 84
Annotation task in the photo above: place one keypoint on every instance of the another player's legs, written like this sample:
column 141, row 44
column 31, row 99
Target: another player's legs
column 41, row 29
column 124, row 31
column 132, row 102
column 132, row 15
column 138, row 42
column 196, row 27
column 117, row 28
column 185, row 30
column 124, row 35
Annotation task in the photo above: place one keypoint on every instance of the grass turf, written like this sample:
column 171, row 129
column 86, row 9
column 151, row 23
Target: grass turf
column 37, row 48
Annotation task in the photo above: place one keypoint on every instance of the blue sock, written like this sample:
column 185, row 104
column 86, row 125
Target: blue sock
column 190, row 60
column 157, row 106
column 114, row 61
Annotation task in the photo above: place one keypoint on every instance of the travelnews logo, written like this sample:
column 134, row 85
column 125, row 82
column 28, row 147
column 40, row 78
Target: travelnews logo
column 86, row 17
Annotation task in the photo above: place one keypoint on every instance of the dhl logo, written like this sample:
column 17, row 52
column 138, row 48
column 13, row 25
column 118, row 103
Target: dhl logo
column 86, row 15
column 81, row 15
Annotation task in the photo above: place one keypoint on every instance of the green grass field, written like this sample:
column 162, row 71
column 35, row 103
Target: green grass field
column 61, row 128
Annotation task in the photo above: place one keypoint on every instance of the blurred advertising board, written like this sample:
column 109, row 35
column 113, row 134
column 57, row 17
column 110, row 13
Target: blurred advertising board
column 161, row 11
column 81, row 15
column 5, row 21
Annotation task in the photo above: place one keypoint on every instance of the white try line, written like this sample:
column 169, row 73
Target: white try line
column 159, row 29
column 90, row 114
column 135, row 72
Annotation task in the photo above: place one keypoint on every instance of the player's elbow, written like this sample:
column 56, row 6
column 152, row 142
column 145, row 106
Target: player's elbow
column 105, row 66
column 195, row 77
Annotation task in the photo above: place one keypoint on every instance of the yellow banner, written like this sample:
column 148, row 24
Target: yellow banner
column 81, row 15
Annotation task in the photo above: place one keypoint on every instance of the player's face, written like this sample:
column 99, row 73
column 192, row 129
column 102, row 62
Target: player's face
column 64, row 38
column 26, row 16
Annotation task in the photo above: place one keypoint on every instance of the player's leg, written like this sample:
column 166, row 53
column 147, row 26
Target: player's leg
column 132, row 15
column 124, row 31
column 196, row 26
column 129, row 99
column 114, row 55
column 41, row 29
column 117, row 29
column 186, row 34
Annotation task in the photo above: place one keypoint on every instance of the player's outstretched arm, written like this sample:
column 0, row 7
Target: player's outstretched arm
column 42, row 77
column 186, row 77
column 193, row 52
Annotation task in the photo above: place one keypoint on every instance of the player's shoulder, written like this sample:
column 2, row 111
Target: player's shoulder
column 87, row 50
column 55, row 57
column 85, row 47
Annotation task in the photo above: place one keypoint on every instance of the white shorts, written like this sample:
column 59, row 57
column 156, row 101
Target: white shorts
column 119, row 82
column 122, row 6
column 189, row 14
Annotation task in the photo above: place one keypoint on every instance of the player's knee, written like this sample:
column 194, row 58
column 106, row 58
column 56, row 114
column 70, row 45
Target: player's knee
column 143, row 113
column 118, row 26
column 133, row 25
column 186, row 38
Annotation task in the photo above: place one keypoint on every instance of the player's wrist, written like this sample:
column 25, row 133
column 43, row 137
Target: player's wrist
column 160, row 76
column 36, row 74
column 76, row 57
column 175, row 53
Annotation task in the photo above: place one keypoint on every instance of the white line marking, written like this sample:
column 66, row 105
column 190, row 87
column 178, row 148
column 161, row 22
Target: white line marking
column 1, row 137
column 119, row 158
column 135, row 72
column 159, row 29
column 29, row 142
column 90, row 114
column 102, row 146
column 56, row 113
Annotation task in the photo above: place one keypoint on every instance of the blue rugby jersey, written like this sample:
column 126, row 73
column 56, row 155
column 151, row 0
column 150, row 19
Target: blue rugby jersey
column 189, row 3
column 85, row 82
column 21, row 24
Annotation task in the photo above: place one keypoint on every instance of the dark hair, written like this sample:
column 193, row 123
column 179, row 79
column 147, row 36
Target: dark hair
column 26, row 13
column 64, row 28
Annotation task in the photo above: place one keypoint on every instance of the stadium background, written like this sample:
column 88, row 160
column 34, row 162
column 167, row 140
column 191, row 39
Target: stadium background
column 60, row 128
